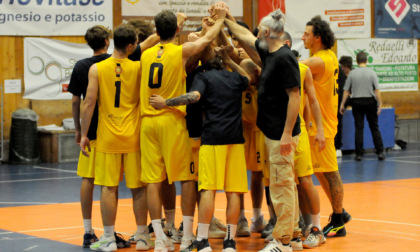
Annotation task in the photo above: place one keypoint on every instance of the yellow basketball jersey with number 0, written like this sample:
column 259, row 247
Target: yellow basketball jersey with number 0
column 118, row 104
column 163, row 73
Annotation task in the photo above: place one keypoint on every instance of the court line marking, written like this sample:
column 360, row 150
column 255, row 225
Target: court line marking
column 30, row 248
column 54, row 169
column 30, row 180
column 386, row 231
column 47, row 229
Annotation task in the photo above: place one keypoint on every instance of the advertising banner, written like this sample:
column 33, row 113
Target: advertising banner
column 347, row 18
column 53, row 18
column 397, row 18
column 48, row 64
column 394, row 60
column 195, row 10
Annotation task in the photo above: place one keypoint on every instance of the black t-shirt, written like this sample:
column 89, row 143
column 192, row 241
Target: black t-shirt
column 194, row 115
column 136, row 55
column 78, row 85
column 280, row 71
column 221, row 95
column 341, row 82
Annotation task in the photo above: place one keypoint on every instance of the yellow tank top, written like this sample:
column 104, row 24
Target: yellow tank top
column 303, row 69
column 250, row 106
column 162, row 73
column 326, row 93
column 118, row 105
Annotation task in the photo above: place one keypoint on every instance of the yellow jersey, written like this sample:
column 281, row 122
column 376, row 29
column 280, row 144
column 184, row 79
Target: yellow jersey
column 303, row 69
column 326, row 92
column 118, row 104
column 163, row 73
column 250, row 106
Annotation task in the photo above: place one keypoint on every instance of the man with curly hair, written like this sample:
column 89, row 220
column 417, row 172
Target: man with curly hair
column 319, row 38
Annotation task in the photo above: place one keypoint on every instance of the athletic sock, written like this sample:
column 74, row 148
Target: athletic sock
column 307, row 218
column 109, row 230
column 230, row 232
column 242, row 214
column 142, row 230
column 157, row 227
column 170, row 218
column 257, row 213
column 316, row 220
column 203, row 231
column 188, row 222
column 87, row 224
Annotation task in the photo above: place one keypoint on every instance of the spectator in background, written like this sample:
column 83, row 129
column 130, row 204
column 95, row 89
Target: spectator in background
column 363, row 84
column 346, row 65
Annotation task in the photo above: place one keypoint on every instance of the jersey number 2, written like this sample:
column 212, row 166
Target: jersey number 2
column 159, row 66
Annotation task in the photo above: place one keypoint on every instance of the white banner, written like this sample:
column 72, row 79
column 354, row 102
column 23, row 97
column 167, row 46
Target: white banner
column 191, row 8
column 394, row 60
column 48, row 64
column 47, row 18
column 347, row 18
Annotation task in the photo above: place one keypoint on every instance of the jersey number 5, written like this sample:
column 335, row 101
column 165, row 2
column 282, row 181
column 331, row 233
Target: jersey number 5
column 159, row 67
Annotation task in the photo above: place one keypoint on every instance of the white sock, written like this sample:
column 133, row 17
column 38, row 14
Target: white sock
column 242, row 214
column 157, row 227
column 316, row 220
column 109, row 230
column 257, row 213
column 188, row 222
column 203, row 231
column 170, row 218
column 230, row 232
column 142, row 229
column 87, row 224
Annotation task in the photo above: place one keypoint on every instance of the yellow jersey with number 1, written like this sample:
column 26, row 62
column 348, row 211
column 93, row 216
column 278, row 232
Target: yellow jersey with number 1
column 118, row 104
column 163, row 73
column 326, row 89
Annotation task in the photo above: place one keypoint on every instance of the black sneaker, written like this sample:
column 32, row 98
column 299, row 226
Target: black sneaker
column 381, row 156
column 346, row 216
column 229, row 245
column 334, row 228
column 88, row 239
column 268, row 229
column 199, row 246
column 358, row 158
column 121, row 243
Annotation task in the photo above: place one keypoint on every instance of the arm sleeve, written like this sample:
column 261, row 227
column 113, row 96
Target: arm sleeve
column 199, row 83
column 347, row 86
column 291, row 72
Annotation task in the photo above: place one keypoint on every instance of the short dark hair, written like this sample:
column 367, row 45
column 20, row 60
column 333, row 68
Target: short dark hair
column 286, row 36
column 144, row 29
column 322, row 28
column 255, row 31
column 166, row 25
column 124, row 35
column 296, row 53
column 214, row 63
column 96, row 36
column 361, row 57
column 346, row 61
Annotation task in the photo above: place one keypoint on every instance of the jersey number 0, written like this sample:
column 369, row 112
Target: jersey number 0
column 159, row 66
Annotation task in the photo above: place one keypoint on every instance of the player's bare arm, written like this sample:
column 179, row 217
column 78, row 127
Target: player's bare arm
column 75, row 103
column 316, row 64
column 241, row 33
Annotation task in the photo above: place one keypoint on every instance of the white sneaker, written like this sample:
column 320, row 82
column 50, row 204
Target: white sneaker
column 216, row 229
column 275, row 245
column 143, row 242
column 257, row 225
column 338, row 153
column 314, row 239
column 105, row 243
column 242, row 229
column 269, row 238
column 164, row 246
column 172, row 233
column 186, row 241
column 296, row 244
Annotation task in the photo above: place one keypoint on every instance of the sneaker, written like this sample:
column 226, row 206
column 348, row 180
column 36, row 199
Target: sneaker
column 276, row 246
column 306, row 231
column 121, row 242
column 296, row 244
column 339, row 153
column 186, row 242
column 268, row 229
column 164, row 246
column 257, row 225
column 215, row 230
column 198, row 246
column 268, row 238
column 104, row 244
column 381, row 156
column 358, row 158
column 243, row 229
column 314, row 239
column 333, row 230
column 88, row 239
column 181, row 229
column 172, row 234
column 219, row 224
column 229, row 245
column 346, row 216
column 143, row 242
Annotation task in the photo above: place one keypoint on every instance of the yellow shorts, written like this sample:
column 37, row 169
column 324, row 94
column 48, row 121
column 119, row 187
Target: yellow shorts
column 109, row 169
column 303, row 161
column 166, row 149
column 326, row 160
column 254, row 148
column 223, row 167
column 86, row 165
column 195, row 146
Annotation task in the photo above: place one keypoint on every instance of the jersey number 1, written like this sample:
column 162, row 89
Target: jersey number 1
column 159, row 66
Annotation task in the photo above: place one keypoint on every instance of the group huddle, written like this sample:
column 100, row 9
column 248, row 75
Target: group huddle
column 203, row 113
